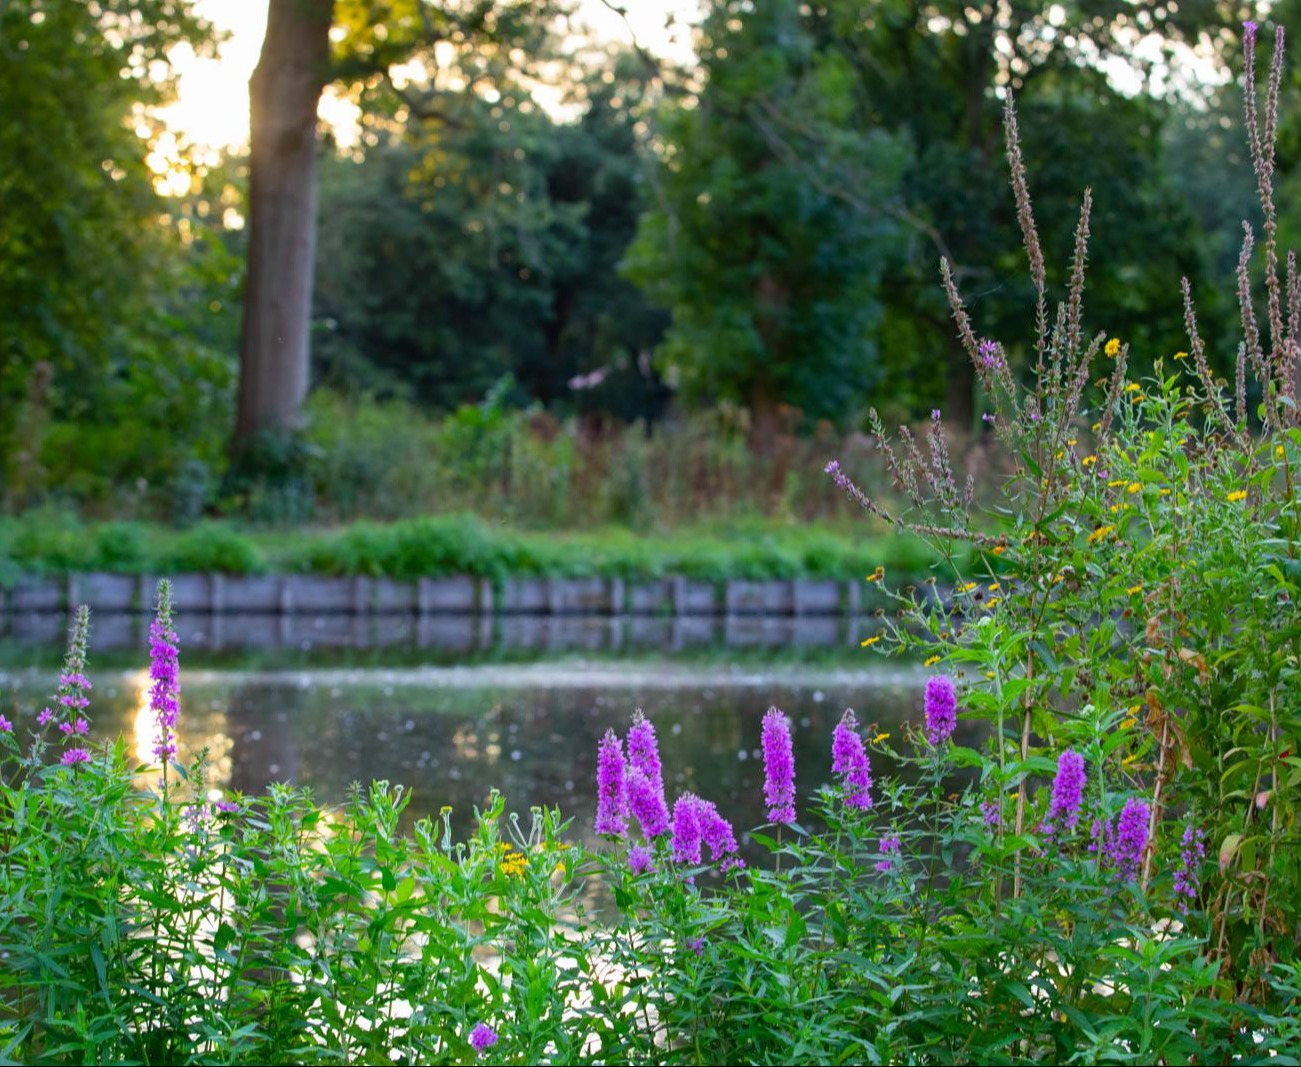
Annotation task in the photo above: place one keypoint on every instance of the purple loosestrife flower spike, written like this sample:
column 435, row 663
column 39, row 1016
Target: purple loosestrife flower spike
column 991, row 811
column 697, row 945
column 1188, row 877
column 716, row 832
column 164, row 674
column 646, row 778
column 73, row 683
column 73, row 756
column 482, row 1037
column 1068, row 792
column 849, row 760
column 639, row 860
column 6, row 727
column 647, row 804
column 941, row 709
column 611, row 789
column 44, row 718
column 1126, row 839
column 890, row 849
column 778, row 767
column 686, row 830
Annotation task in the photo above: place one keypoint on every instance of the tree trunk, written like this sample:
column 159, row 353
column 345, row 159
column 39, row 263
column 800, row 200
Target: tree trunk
column 284, row 93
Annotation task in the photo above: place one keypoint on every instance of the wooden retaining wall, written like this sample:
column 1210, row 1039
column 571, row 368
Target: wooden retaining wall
column 299, row 594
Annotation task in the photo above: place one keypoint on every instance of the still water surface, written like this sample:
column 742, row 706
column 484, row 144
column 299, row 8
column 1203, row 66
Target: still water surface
column 452, row 733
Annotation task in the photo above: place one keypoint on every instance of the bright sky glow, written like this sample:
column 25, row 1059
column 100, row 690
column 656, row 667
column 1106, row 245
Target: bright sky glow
column 212, row 105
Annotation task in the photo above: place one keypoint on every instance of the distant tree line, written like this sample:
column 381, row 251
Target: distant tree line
column 761, row 230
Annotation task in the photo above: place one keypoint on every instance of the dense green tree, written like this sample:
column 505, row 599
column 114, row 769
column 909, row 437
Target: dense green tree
column 485, row 242
column 86, row 274
column 773, row 275
column 786, row 146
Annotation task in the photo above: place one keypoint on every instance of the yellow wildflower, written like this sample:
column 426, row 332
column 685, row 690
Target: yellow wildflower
column 999, row 549
column 1236, row 495
column 993, row 587
column 1115, row 482
column 990, row 675
column 1278, row 452
column 880, row 737
column 876, row 575
column 1089, row 460
column 1134, row 589
column 1100, row 533
column 1097, row 426
column 1133, row 387
column 1113, row 347
column 1165, row 492
column 513, row 864
column 967, row 587
column 1134, row 487
column 1114, row 508
column 1181, row 355
column 931, row 661
column 992, row 603
column 1073, row 442
column 869, row 641
column 1130, row 759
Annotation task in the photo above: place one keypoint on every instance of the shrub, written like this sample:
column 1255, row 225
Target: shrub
column 1134, row 594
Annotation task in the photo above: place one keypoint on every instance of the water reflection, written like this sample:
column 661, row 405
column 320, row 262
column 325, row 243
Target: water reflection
column 532, row 731
column 452, row 636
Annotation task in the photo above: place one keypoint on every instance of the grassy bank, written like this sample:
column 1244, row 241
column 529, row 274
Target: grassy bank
column 47, row 543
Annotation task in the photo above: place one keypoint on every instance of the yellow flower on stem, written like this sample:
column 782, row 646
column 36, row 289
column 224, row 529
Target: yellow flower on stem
column 1181, row 355
column 1112, row 347
column 1237, row 495
column 999, row 549
column 1133, row 589
column 1134, row 487
column 1100, row 533
column 931, row 661
column 1089, row 460
column 868, row 642
column 876, row 575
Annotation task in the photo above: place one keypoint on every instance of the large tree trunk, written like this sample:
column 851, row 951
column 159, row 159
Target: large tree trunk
column 284, row 93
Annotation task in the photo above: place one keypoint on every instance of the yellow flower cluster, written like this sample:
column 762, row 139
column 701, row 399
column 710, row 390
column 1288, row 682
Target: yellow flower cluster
column 931, row 661
column 1237, row 495
column 1113, row 347
column 513, row 864
column 1100, row 533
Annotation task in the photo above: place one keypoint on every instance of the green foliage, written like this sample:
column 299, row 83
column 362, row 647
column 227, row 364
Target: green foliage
column 772, row 274
column 482, row 239
column 1134, row 596
column 144, row 920
column 89, row 282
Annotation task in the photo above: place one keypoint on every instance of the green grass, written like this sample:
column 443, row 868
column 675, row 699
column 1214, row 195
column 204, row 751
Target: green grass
column 51, row 543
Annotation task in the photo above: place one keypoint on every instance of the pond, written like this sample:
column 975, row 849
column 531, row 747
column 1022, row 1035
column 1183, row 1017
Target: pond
column 451, row 733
